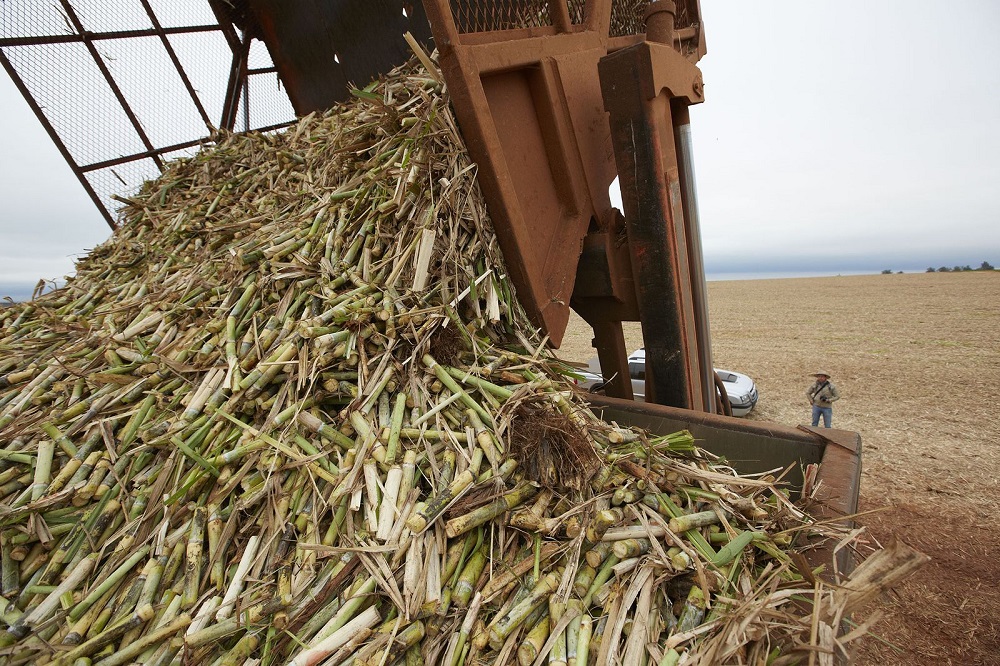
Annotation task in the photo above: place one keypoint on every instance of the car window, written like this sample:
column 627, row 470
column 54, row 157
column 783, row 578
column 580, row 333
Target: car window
column 637, row 371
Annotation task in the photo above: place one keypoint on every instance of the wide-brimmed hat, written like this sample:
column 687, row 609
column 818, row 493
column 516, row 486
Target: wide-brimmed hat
column 822, row 372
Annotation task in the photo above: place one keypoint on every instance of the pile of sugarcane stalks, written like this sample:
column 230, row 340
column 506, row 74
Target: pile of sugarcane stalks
column 285, row 415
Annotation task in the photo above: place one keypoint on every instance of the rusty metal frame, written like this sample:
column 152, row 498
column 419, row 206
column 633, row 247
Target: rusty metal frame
column 237, row 85
column 549, row 113
column 644, row 86
column 529, row 105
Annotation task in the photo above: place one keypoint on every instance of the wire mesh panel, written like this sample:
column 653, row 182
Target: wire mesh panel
column 143, row 70
column 122, row 87
column 181, row 13
column 27, row 19
column 627, row 17
column 69, row 87
column 121, row 180
column 205, row 57
column 267, row 104
column 577, row 11
column 490, row 15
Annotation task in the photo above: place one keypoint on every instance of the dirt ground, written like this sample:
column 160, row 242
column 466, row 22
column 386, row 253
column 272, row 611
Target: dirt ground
column 917, row 360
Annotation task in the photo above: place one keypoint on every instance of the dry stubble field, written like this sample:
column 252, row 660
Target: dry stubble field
column 917, row 360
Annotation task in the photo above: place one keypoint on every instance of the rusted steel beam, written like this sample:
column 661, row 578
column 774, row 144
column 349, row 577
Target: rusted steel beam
column 609, row 339
column 235, row 85
column 321, row 47
column 638, row 84
column 36, row 40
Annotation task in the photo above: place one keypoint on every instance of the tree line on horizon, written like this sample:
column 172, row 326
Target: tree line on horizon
column 985, row 266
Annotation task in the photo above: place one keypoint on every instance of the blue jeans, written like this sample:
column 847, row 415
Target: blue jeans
column 827, row 413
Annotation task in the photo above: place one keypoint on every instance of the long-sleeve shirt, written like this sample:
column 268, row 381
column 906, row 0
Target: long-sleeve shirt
column 823, row 394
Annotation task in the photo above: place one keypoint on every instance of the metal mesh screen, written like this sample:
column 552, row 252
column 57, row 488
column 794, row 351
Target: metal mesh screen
column 577, row 11
column 626, row 17
column 124, row 86
column 490, row 15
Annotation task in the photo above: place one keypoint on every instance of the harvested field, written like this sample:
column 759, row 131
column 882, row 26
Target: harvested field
column 915, row 358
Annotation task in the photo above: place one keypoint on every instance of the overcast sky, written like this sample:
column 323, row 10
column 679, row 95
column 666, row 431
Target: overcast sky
column 830, row 140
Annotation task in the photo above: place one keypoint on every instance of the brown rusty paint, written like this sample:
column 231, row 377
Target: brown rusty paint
column 639, row 84
column 534, row 117
column 529, row 105
column 609, row 340
column 839, row 485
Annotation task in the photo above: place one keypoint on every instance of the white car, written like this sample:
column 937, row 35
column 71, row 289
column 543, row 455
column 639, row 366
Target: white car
column 741, row 390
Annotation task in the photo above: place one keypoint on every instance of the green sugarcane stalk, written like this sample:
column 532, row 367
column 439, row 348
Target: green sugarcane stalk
column 668, row 507
column 396, row 424
column 486, row 439
column 596, row 555
column 248, row 617
column 43, row 469
column 79, row 628
column 110, row 582
column 501, row 627
column 214, row 528
column 257, row 381
column 508, row 575
column 453, row 569
column 426, row 514
column 509, row 501
column 242, row 651
column 602, row 577
column 432, row 435
column 447, row 380
column 407, row 637
column 106, row 637
column 70, row 469
column 467, row 580
column 558, row 654
column 693, row 611
column 129, row 599
column 533, row 641
column 574, row 606
column 351, row 607
column 735, row 547
column 61, row 440
column 127, row 654
column 44, row 610
column 671, row 657
column 317, row 426
column 627, row 548
column 9, row 574
column 193, row 559
column 693, row 521
column 602, row 521
column 480, row 383
column 583, row 640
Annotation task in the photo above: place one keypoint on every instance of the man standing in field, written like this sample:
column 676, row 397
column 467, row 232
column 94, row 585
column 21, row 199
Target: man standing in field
column 822, row 394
